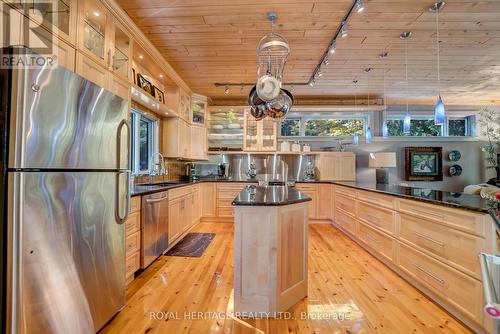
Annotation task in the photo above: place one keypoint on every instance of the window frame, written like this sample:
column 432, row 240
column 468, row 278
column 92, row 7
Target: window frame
column 153, row 138
column 469, row 125
column 365, row 118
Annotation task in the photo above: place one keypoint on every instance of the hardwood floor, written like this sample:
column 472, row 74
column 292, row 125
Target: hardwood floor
column 351, row 290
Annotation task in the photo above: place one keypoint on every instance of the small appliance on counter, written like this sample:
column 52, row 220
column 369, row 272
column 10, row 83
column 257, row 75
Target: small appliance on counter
column 285, row 146
column 310, row 173
column 223, row 170
column 296, row 147
column 191, row 172
column 252, row 172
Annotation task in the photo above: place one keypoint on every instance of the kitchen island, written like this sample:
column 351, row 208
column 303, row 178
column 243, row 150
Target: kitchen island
column 270, row 250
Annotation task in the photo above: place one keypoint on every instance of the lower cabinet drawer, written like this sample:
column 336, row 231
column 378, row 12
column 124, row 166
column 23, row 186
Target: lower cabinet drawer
column 132, row 264
column 225, row 202
column 460, row 291
column 346, row 221
column 348, row 204
column 380, row 217
column 459, row 248
column 133, row 223
column 380, row 242
column 225, row 212
column 133, row 243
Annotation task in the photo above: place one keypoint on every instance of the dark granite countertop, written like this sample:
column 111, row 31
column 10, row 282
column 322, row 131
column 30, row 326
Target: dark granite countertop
column 269, row 196
column 452, row 199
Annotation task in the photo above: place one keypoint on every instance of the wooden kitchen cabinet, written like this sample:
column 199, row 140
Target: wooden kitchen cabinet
column 198, row 150
column 311, row 191
column 121, row 52
column 336, row 166
column 199, row 106
column 133, row 239
column 208, row 202
column 325, row 201
column 259, row 135
column 176, row 138
column 175, row 215
column 94, row 25
column 89, row 69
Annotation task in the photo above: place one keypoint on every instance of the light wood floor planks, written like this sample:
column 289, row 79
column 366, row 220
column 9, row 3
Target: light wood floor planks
column 344, row 281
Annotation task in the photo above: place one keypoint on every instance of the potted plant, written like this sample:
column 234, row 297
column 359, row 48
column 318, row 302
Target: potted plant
column 490, row 128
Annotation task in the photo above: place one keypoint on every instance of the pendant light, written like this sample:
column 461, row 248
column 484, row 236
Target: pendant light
column 355, row 138
column 407, row 120
column 385, row 129
column 368, row 134
column 439, row 109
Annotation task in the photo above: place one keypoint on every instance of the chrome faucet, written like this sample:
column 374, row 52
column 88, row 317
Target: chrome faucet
column 157, row 168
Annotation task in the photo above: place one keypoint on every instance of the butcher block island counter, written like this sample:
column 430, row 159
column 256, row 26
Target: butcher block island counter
column 270, row 250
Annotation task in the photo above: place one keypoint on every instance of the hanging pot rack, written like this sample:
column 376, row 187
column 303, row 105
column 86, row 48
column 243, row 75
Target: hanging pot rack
column 323, row 59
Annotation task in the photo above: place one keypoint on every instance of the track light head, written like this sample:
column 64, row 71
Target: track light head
column 406, row 35
column 360, row 6
column 343, row 30
column 333, row 47
column 437, row 7
column 226, row 90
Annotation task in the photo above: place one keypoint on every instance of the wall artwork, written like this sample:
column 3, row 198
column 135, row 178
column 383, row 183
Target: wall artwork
column 144, row 84
column 424, row 163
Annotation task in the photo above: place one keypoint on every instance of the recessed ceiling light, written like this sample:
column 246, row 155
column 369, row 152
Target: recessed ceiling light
column 96, row 13
column 161, row 75
column 141, row 57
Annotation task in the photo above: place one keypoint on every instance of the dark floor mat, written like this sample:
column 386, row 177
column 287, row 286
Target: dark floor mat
column 192, row 245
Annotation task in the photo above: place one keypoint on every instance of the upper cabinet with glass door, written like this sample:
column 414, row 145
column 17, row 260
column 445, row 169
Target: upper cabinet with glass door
column 94, row 31
column 57, row 16
column 121, row 48
column 198, row 109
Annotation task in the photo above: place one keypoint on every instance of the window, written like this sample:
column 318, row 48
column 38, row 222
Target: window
column 423, row 126
column 418, row 127
column 290, row 127
column 333, row 126
column 144, row 141
column 457, row 127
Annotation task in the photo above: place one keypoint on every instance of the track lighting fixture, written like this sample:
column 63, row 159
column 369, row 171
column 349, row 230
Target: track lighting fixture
column 226, row 90
column 360, row 6
column 320, row 74
column 326, row 61
column 343, row 30
column 333, row 47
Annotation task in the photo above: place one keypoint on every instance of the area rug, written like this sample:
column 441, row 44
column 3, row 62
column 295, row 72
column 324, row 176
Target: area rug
column 192, row 245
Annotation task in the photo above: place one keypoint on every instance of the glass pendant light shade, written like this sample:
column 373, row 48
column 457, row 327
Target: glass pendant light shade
column 385, row 130
column 439, row 112
column 355, row 139
column 407, row 123
column 368, row 135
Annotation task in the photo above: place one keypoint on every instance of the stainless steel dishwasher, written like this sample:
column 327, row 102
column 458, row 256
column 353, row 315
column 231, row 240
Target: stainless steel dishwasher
column 154, row 223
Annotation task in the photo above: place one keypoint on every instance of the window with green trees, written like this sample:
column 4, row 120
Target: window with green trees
column 290, row 127
column 333, row 127
column 419, row 128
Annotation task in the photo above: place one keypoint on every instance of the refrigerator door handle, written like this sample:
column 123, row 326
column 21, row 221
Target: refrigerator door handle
column 121, row 219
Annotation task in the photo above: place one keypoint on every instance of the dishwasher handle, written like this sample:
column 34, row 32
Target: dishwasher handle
column 154, row 200
column 492, row 304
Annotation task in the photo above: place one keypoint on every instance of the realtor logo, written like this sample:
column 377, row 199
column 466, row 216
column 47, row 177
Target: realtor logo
column 26, row 36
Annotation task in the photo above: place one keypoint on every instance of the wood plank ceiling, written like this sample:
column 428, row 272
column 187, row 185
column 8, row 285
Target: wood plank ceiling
column 210, row 41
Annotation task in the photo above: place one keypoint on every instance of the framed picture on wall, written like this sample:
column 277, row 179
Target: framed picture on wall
column 144, row 84
column 158, row 94
column 424, row 163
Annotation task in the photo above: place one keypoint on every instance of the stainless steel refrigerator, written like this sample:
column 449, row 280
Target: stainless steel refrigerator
column 67, row 197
